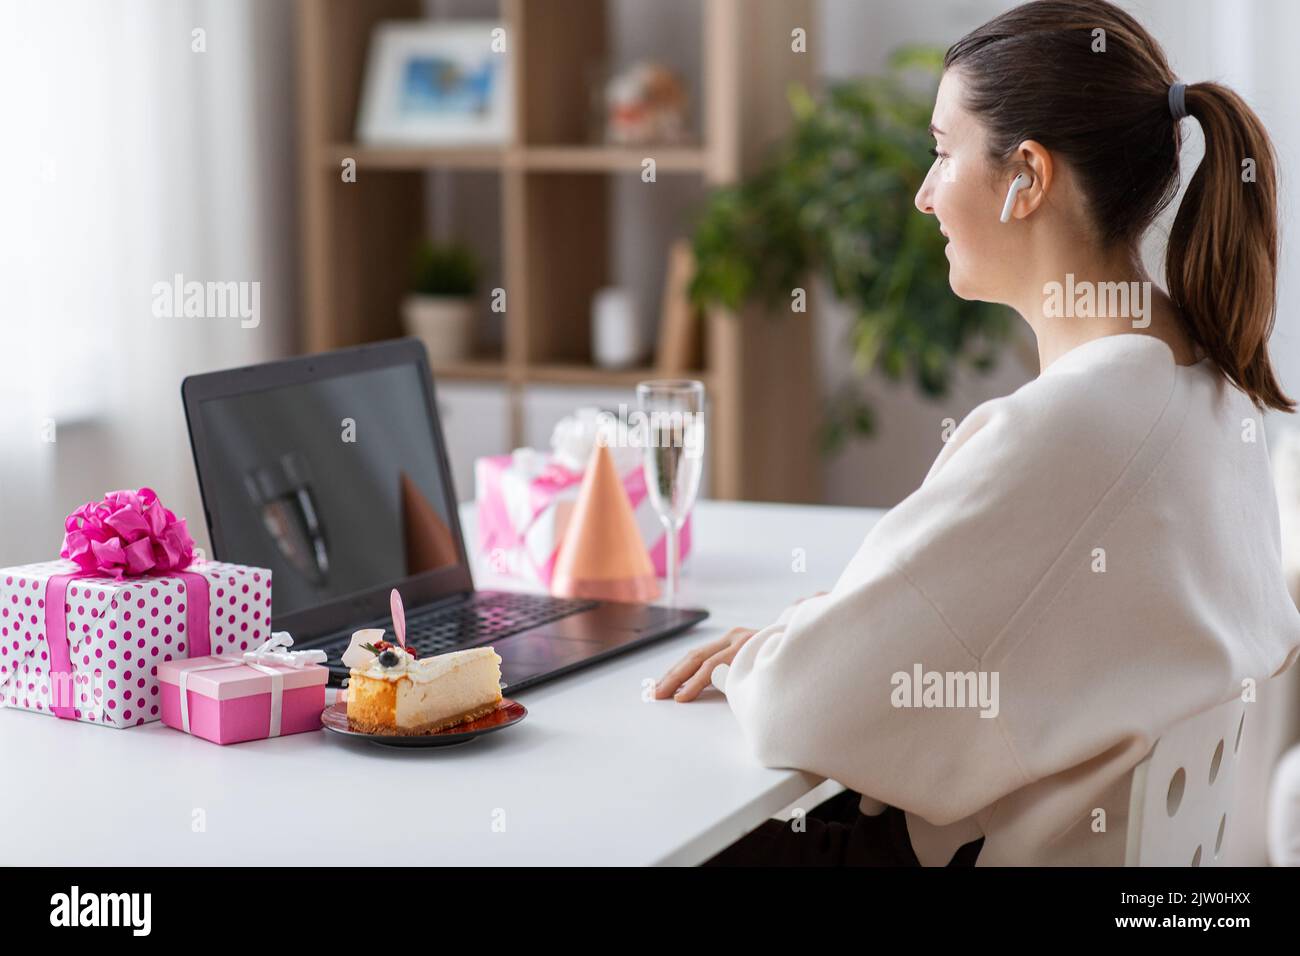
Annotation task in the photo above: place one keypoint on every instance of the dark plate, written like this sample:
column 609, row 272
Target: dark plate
column 508, row 712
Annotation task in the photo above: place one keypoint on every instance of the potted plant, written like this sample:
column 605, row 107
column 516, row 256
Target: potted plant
column 835, row 199
column 440, row 308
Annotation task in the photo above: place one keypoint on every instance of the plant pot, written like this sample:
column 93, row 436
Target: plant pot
column 445, row 324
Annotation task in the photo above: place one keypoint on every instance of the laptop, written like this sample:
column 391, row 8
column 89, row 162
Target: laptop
column 331, row 471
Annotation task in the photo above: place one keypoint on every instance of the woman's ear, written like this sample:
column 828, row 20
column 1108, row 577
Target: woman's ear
column 1035, row 161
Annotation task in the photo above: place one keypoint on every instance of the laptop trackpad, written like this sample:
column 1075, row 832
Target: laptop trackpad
column 532, row 653
column 570, row 641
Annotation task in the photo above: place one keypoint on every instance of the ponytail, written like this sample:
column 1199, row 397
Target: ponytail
column 1221, row 265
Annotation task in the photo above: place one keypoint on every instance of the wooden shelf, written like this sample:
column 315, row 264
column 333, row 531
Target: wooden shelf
column 614, row 159
column 546, row 215
column 573, row 374
column 472, row 370
column 415, row 158
column 564, row 159
column 553, row 373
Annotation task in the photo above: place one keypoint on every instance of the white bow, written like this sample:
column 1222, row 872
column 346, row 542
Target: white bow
column 275, row 651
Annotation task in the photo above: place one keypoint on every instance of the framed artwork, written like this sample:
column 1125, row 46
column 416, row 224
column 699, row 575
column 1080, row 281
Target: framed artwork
column 437, row 83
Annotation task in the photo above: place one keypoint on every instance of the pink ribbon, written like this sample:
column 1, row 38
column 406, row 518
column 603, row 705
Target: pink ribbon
column 493, row 516
column 56, row 631
column 542, row 489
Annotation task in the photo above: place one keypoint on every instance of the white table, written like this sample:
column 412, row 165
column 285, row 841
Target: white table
column 595, row 775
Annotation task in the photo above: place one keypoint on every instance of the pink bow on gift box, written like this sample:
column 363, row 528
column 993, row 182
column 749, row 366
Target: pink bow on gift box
column 128, row 533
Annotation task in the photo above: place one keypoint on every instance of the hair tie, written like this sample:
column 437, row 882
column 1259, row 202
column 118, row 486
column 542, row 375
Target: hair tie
column 1178, row 100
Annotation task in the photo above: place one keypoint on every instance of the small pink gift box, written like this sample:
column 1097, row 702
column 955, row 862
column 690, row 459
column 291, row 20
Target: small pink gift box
column 229, row 699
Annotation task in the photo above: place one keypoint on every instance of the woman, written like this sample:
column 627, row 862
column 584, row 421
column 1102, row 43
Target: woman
column 1090, row 559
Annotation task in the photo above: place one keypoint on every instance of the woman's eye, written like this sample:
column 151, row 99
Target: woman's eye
column 934, row 151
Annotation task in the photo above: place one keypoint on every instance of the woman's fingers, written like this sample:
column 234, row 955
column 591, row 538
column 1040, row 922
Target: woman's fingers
column 703, row 677
column 687, row 667
column 680, row 672
column 695, row 672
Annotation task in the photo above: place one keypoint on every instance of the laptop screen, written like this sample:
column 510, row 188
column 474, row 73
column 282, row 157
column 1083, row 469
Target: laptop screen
column 335, row 484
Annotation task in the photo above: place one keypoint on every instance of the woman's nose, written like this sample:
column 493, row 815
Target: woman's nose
column 922, row 199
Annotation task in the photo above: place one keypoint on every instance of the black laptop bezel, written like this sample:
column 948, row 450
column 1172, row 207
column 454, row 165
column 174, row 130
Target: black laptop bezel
column 373, row 603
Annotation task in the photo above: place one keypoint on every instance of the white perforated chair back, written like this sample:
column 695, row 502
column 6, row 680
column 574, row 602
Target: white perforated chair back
column 1181, row 799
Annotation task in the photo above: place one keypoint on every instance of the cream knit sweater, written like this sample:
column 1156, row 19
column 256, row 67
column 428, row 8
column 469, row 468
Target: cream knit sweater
column 1089, row 560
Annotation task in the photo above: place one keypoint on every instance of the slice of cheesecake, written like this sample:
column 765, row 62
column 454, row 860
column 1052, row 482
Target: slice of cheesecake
column 394, row 693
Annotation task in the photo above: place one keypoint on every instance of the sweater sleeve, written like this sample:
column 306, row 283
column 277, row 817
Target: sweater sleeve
column 825, row 692
column 832, row 686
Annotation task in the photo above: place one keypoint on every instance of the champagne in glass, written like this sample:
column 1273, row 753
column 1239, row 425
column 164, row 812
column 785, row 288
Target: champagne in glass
column 673, row 443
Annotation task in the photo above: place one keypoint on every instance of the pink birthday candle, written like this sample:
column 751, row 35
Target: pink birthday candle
column 399, row 617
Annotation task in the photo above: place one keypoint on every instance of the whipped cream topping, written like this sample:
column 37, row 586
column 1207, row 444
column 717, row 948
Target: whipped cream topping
column 362, row 661
column 404, row 663
column 426, row 669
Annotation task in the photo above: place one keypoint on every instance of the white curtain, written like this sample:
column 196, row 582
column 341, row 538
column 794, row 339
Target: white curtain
column 140, row 140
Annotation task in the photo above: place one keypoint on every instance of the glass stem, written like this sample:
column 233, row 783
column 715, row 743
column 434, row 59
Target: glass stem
column 671, row 562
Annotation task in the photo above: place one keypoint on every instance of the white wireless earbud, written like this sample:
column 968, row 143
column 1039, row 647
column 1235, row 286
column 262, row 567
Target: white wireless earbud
column 1020, row 182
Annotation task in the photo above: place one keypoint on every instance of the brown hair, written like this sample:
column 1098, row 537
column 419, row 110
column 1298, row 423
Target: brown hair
column 1032, row 73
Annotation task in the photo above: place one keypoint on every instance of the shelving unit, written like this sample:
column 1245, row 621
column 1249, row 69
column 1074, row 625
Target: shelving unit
column 555, row 216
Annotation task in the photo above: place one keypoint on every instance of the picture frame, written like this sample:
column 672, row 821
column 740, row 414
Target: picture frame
column 437, row 83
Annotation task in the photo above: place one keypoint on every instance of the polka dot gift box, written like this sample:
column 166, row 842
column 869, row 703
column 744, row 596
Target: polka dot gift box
column 82, row 638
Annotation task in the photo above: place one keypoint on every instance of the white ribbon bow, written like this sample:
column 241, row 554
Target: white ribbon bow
column 274, row 651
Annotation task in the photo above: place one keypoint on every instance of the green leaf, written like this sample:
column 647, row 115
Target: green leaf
column 448, row 269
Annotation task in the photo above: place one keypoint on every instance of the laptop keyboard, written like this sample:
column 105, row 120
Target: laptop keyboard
column 485, row 617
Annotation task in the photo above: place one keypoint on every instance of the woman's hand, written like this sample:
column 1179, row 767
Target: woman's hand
column 694, row 672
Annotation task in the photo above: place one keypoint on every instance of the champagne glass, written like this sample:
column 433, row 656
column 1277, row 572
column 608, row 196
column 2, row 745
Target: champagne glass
column 672, row 436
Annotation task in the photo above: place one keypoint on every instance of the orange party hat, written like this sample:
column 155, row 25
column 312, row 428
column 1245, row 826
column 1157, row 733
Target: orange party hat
column 602, row 555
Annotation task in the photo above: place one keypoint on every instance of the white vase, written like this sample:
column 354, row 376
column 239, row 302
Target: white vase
column 615, row 329
column 444, row 323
